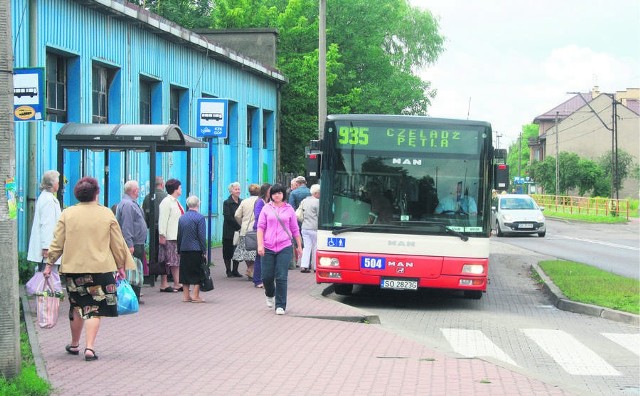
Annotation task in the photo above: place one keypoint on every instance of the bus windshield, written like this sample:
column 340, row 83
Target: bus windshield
column 405, row 174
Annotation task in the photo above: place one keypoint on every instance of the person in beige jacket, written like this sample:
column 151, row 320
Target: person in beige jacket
column 245, row 217
column 89, row 236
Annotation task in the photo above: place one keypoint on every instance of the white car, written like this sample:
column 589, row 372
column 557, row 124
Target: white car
column 517, row 214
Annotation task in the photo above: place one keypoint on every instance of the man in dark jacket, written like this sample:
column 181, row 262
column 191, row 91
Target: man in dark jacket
column 152, row 201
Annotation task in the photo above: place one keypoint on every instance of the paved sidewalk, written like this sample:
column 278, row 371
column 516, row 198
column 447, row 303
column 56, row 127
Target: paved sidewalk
column 234, row 345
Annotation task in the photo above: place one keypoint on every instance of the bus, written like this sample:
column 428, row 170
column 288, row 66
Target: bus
column 405, row 203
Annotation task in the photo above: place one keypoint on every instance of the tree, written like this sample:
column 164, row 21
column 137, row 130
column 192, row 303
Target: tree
column 10, row 319
column 514, row 157
column 191, row 14
column 625, row 167
column 374, row 49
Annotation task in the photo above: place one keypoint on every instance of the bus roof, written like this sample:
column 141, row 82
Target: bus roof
column 401, row 118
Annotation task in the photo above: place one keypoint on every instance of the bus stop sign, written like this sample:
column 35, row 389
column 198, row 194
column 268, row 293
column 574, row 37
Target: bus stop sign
column 212, row 118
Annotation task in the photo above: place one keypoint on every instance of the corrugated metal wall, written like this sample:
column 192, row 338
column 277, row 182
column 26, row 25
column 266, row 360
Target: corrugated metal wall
column 76, row 30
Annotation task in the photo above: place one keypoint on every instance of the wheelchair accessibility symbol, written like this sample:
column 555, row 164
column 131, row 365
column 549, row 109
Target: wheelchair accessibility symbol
column 336, row 242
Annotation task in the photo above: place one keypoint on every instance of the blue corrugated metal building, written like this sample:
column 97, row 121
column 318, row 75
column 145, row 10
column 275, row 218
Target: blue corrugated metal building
column 108, row 61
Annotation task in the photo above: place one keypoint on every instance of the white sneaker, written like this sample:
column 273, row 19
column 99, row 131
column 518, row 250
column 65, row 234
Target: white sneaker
column 270, row 301
column 279, row 311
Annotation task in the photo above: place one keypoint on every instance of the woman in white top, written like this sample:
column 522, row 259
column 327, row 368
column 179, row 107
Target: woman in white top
column 170, row 212
column 45, row 218
column 309, row 208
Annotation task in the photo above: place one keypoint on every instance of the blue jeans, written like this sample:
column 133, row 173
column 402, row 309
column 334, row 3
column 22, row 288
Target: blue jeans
column 275, row 267
column 257, row 270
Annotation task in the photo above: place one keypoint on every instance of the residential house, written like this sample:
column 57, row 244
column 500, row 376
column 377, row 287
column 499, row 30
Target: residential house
column 583, row 125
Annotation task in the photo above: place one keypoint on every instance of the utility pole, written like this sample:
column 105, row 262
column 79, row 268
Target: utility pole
column 557, row 161
column 520, row 155
column 322, row 67
column 614, row 138
column 10, row 360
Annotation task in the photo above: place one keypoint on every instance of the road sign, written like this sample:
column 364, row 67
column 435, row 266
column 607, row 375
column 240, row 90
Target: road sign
column 213, row 116
column 28, row 94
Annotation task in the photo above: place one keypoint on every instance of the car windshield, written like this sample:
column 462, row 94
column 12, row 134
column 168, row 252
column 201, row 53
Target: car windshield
column 517, row 203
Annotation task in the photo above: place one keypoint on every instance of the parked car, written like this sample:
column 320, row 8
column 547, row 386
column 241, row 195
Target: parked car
column 517, row 214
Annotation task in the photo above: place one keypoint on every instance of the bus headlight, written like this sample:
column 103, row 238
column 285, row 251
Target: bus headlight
column 475, row 269
column 328, row 262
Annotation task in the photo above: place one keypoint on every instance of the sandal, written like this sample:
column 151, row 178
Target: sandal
column 305, row 270
column 260, row 286
column 93, row 355
column 197, row 300
column 189, row 300
column 168, row 289
column 72, row 349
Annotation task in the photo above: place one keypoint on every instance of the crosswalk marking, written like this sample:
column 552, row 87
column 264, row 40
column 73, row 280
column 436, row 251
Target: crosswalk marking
column 574, row 357
column 472, row 343
column 628, row 341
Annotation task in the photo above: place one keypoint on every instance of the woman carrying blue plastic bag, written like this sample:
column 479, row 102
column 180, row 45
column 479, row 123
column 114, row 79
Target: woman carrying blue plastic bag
column 89, row 236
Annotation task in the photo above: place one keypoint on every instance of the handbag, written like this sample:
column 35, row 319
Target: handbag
column 251, row 236
column 251, row 240
column 37, row 282
column 207, row 284
column 136, row 277
column 293, row 241
column 47, row 305
column 300, row 212
column 127, row 300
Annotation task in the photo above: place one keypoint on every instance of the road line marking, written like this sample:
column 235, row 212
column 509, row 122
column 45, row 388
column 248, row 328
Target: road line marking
column 472, row 343
column 615, row 245
column 573, row 356
column 628, row 341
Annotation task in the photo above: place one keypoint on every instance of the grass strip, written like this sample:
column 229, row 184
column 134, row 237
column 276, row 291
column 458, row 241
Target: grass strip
column 590, row 285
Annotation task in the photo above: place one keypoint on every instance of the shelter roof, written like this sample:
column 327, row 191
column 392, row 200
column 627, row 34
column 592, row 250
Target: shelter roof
column 165, row 138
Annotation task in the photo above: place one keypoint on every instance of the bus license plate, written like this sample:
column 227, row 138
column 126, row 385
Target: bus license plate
column 399, row 284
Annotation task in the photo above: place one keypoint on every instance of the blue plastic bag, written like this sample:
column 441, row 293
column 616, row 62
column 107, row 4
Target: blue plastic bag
column 127, row 300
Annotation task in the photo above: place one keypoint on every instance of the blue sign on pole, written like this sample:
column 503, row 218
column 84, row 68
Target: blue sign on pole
column 28, row 94
column 212, row 118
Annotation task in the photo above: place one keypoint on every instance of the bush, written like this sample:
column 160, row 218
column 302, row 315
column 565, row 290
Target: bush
column 26, row 269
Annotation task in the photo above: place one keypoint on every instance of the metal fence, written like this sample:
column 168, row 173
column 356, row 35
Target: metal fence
column 584, row 205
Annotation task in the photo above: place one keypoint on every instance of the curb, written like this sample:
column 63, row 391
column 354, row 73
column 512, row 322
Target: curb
column 560, row 301
column 38, row 360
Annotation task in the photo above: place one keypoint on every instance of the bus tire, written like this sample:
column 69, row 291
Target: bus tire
column 342, row 289
column 473, row 294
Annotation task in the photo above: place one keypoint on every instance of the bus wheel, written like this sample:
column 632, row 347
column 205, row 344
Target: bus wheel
column 473, row 294
column 342, row 289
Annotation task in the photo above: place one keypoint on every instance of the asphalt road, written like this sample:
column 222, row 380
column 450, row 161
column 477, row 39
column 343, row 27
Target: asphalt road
column 611, row 247
column 514, row 325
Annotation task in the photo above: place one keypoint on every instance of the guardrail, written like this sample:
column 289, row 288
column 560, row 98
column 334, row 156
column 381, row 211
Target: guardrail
column 584, row 205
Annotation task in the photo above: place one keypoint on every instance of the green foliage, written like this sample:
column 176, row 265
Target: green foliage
column 587, row 176
column 373, row 50
column 625, row 167
column 590, row 285
column 191, row 14
column 25, row 268
column 27, row 383
column 529, row 131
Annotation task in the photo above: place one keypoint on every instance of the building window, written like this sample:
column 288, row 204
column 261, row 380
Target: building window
column 101, row 79
column 250, row 114
column 56, row 88
column 145, row 102
column 174, row 110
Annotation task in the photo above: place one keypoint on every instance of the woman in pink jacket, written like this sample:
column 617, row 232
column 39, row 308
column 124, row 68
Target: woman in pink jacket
column 277, row 228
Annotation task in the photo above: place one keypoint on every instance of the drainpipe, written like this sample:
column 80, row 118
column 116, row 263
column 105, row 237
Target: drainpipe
column 32, row 181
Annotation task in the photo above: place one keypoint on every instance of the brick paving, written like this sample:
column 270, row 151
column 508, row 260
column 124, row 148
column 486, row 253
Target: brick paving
column 234, row 345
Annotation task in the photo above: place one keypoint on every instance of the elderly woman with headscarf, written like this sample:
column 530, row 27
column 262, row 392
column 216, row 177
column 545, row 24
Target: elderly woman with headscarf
column 45, row 217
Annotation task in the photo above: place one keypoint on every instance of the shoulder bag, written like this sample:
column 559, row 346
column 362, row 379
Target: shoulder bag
column 293, row 241
column 251, row 236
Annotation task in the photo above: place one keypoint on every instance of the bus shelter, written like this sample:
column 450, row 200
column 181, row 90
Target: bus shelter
column 125, row 138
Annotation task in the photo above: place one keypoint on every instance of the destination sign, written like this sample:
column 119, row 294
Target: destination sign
column 377, row 137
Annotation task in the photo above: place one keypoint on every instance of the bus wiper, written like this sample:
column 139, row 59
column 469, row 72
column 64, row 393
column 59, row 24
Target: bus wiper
column 360, row 227
column 443, row 227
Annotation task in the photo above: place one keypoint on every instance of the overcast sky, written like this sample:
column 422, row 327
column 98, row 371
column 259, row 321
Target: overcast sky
column 508, row 61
